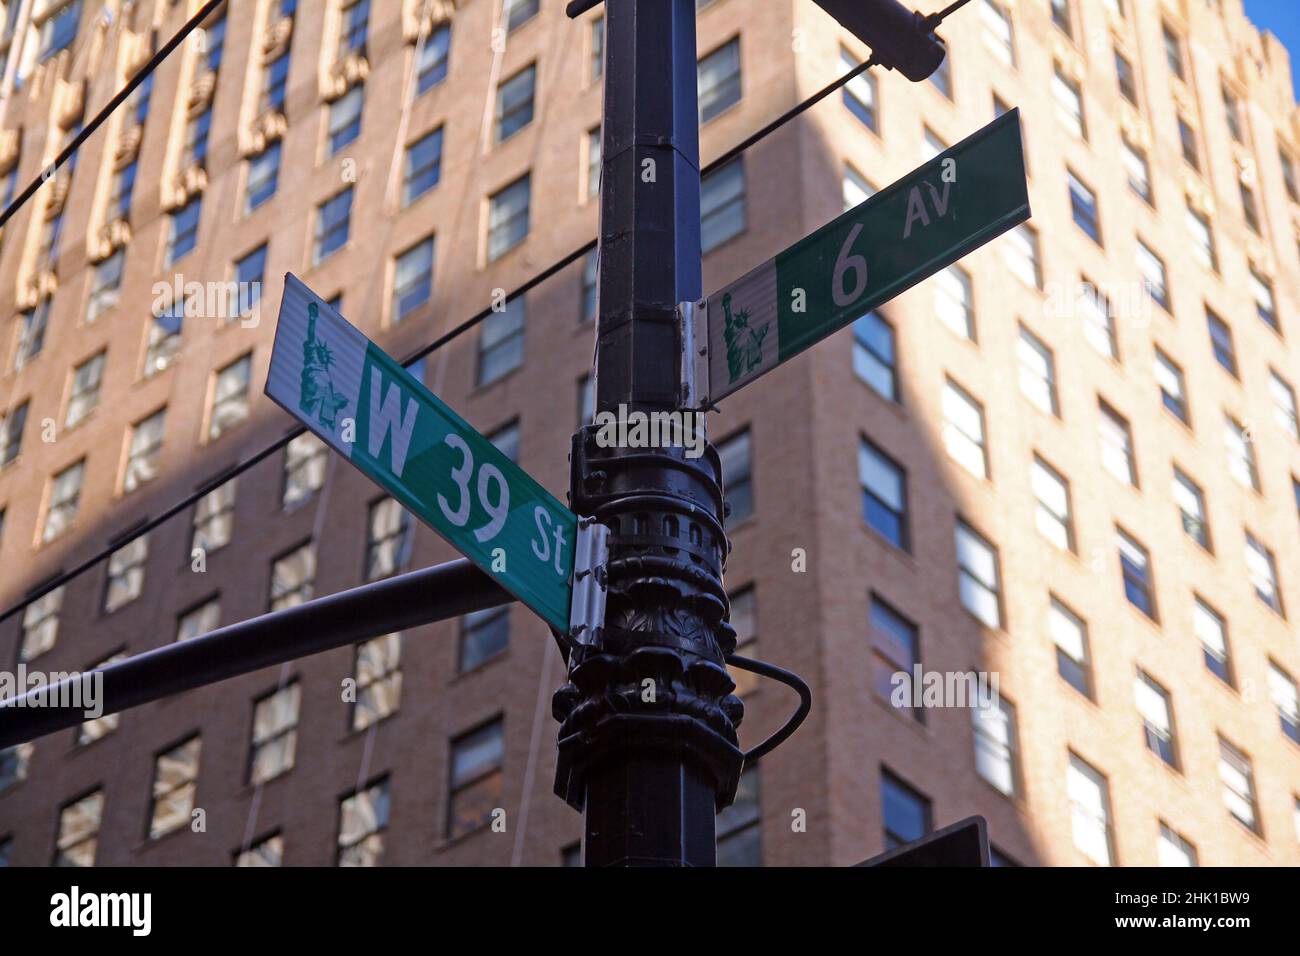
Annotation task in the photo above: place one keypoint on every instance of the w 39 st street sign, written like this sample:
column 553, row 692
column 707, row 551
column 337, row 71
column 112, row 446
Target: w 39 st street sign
column 367, row 407
column 964, row 197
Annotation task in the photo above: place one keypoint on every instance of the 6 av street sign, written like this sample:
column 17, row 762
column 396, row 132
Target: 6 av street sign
column 965, row 196
column 367, row 407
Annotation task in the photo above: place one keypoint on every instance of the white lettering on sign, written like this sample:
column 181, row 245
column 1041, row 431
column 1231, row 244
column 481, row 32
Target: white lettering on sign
column 387, row 416
column 541, row 546
column 916, row 209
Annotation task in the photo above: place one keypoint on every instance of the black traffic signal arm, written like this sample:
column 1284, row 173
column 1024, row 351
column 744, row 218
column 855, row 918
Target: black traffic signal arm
column 900, row 39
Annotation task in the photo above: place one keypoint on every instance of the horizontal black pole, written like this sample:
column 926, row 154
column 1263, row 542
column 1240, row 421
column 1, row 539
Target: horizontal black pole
column 408, row 600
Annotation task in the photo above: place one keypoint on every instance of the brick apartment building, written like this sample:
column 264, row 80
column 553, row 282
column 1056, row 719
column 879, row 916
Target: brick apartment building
column 1072, row 460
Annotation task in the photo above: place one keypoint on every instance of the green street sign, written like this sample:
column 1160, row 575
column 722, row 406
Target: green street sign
column 964, row 197
column 367, row 407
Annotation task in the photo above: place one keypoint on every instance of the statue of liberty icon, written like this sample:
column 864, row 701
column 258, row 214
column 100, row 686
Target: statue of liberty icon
column 317, row 395
column 744, row 343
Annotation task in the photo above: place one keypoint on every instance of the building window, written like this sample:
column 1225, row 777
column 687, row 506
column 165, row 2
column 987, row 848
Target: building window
column 106, row 285
column 743, row 618
column 1135, row 571
column 593, row 161
column 999, row 36
column 979, row 578
column 31, row 335
column 1116, row 442
column 508, row 217
column 1265, row 305
column 1212, row 631
column 933, row 145
column 953, row 303
column 590, row 273
column 292, row 577
column 199, row 620
column 483, row 635
column 1154, row 279
column 363, row 818
column 884, row 494
column 263, row 176
column 501, row 342
column 214, row 518
column 268, row 851
column 1126, row 78
column 857, row 189
column 1173, row 850
column 304, row 468
column 40, row 627
column 1282, row 689
column 275, row 733
column 11, row 433
column 184, row 234
column 1089, row 811
column 355, row 25
column 379, row 680
column 1052, row 513
column 1070, row 635
column 58, row 31
column 423, row 166
column 125, row 579
column 145, row 450
column 175, row 780
column 963, row 429
column 739, row 836
column 1249, row 208
column 1037, row 371
column 1289, row 178
column 195, row 149
column 896, row 650
column 1238, row 779
column 1262, row 569
column 722, row 205
column 432, row 63
column 477, row 778
column 78, row 836
column 1157, row 717
column 860, row 93
column 1191, row 507
column 65, row 499
column 164, row 339
column 1069, row 103
column 1173, row 387
column 389, row 533
column 506, row 440
column 13, row 765
column 586, row 400
column 905, row 811
column 1083, row 206
column 519, row 12
column 942, row 76
column 230, row 397
column 84, row 397
column 736, row 454
column 214, row 41
column 1203, row 239
column 1138, row 170
column 345, row 119
column 995, row 744
column 250, row 271
column 719, row 79
column 514, row 109
column 1284, row 404
column 597, row 52
column 875, row 359
column 138, row 103
column 1221, row 343
column 1061, row 17
column 1232, row 113
column 1173, row 51
column 333, row 221
column 412, row 279
column 1020, row 251
column 1241, row 453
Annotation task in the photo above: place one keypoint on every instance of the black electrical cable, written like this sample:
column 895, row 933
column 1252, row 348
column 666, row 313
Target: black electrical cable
column 114, row 103
column 790, row 679
column 243, row 466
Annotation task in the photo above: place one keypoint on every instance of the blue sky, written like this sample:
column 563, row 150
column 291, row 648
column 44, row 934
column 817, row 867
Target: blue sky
column 1283, row 18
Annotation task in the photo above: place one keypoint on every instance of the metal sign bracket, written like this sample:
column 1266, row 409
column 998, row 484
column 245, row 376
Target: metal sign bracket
column 693, row 325
column 590, row 561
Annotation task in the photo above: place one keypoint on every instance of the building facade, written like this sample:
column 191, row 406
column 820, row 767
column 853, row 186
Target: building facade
column 1070, row 461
